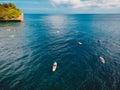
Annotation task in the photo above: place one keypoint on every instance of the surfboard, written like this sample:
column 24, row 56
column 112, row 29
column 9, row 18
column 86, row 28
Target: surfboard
column 54, row 66
column 79, row 42
column 102, row 59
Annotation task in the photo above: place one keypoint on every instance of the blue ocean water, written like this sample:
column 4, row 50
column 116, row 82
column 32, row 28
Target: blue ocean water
column 29, row 49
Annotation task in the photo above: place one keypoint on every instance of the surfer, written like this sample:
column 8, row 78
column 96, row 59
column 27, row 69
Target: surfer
column 99, row 41
column 102, row 59
column 54, row 66
column 79, row 42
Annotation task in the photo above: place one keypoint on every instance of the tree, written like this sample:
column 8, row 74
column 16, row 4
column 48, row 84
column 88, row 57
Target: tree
column 9, row 11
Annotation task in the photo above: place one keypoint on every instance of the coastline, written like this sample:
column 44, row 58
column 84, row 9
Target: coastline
column 19, row 19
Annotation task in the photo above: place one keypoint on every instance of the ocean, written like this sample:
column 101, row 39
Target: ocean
column 28, row 50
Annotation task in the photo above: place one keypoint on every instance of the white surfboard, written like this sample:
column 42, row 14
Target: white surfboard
column 102, row 59
column 79, row 43
column 54, row 66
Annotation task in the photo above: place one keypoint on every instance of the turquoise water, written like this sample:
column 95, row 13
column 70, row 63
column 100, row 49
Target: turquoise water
column 28, row 51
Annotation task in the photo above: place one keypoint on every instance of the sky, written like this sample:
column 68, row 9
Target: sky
column 67, row 6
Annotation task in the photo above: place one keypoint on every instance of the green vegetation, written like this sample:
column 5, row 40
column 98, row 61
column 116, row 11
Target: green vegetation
column 9, row 11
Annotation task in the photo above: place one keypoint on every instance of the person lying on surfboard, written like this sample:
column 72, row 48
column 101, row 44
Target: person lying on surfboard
column 54, row 66
column 79, row 42
column 102, row 59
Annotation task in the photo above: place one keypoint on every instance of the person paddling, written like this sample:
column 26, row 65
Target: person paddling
column 54, row 66
column 79, row 42
column 102, row 59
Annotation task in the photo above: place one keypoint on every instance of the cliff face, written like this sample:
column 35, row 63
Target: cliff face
column 9, row 12
column 19, row 19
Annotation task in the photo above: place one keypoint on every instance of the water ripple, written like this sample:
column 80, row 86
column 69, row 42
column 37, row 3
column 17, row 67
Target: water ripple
column 26, row 59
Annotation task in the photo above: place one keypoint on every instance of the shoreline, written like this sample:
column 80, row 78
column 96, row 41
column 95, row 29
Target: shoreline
column 11, row 21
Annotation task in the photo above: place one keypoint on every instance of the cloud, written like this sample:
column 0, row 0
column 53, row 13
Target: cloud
column 72, row 3
column 87, row 3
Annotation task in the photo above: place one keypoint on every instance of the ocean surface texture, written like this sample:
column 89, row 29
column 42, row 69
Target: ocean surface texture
column 29, row 49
